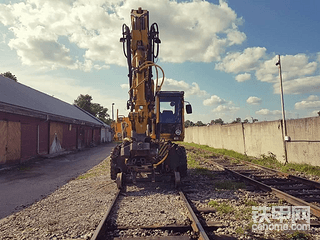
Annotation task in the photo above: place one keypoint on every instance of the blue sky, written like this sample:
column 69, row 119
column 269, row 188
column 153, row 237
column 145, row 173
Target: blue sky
column 221, row 53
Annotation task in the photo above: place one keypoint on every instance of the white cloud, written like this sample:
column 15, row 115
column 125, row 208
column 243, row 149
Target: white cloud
column 214, row 100
column 195, row 31
column 241, row 62
column 224, row 109
column 311, row 102
column 174, row 85
column 314, row 113
column 299, row 85
column 265, row 111
column 125, row 86
column 243, row 77
column 254, row 100
column 292, row 66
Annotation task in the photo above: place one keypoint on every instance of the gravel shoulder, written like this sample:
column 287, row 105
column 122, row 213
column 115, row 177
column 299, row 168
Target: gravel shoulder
column 71, row 212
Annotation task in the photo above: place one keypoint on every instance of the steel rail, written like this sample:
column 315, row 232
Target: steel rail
column 196, row 225
column 287, row 175
column 100, row 231
column 280, row 194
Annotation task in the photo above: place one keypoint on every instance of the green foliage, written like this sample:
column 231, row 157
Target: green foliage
column 84, row 102
column 238, row 120
column 217, row 121
column 188, row 123
column 251, row 203
column 223, row 207
column 199, row 124
column 239, row 231
column 314, row 170
column 9, row 75
column 229, row 185
column 268, row 160
column 298, row 236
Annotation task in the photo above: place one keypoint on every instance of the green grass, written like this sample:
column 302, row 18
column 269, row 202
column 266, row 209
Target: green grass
column 298, row 236
column 314, row 170
column 96, row 171
column 229, row 185
column 24, row 168
column 222, row 208
column 268, row 160
column 251, row 203
column 240, row 231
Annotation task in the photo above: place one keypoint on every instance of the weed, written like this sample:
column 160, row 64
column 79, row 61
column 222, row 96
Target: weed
column 204, row 171
column 239, row 231
column 314, row 170
column 213, row 203
column 249, row 226
column 192, row 163
column 298, row 236
column 267, row 160
column 96, row 171
column 24, row 168
column 251, row 203
column 221, row 207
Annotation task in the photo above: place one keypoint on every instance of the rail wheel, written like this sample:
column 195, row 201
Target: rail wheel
column 120, row 180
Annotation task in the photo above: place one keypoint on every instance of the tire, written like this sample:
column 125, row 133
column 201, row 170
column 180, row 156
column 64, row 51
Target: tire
column 183, row 165
column 113, row 162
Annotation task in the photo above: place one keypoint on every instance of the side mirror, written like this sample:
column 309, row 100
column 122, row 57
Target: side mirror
column 188, row 108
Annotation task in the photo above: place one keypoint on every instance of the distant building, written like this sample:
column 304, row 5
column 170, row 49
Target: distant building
column 33, row 123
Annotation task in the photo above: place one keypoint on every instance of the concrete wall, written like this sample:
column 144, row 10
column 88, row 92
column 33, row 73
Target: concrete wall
column 264, row 137
column 305, row 140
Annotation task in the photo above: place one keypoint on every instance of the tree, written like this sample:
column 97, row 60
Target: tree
column 188, row 123
column 238, row 120
column 199, row 123
column 9, row 75
column 217, row 121
column 84, row 102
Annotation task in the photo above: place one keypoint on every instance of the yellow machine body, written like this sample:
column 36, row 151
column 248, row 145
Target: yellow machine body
column 156, row 116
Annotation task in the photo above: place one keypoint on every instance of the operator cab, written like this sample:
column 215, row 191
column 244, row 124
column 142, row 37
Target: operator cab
column 170, row 115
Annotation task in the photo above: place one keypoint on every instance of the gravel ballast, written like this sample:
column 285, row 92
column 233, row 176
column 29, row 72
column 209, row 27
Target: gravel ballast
column 75, row 210
column 71, row 212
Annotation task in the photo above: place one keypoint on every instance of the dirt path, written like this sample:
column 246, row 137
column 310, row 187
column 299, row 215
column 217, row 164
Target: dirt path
column 20, row 187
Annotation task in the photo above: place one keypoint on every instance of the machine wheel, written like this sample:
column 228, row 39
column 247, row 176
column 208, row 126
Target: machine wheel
column 120, row 180
column 177, row 181
column 113, row 170
column 183, row 166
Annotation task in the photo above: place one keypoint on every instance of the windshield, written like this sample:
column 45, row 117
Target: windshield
column 170, row 110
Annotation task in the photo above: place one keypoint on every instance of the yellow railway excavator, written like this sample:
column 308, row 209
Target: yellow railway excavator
column 157, row 117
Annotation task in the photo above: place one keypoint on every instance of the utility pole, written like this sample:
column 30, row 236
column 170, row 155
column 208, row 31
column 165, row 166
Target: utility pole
column 285, row 138
column 112, row 112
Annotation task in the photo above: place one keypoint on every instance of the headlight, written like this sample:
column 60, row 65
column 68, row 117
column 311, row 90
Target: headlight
column 178, row 132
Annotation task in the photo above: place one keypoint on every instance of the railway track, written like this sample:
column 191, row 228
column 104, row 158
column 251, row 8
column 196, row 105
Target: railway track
column 295, row 190
column 137, row 210
column 150, row 211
